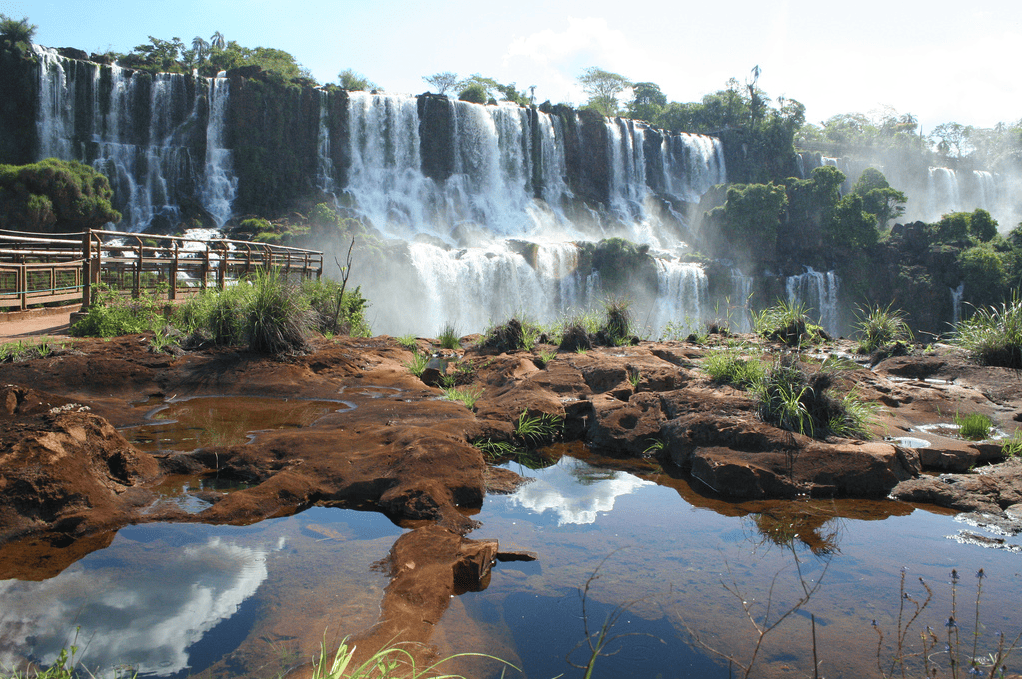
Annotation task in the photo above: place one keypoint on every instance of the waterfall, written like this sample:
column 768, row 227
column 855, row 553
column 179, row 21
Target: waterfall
column 324, row 163
column 956, row 303
column 818, row 292
column 738, row 304
column 696, row 165
column 942, row 194
column 221, row 185
column 682, row 291
column 476, row 287
column 144, row 132
column 986, row 190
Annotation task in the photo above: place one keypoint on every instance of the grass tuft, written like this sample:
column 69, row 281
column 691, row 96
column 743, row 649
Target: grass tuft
column 788, row 323
column 449, row 337
column 974, row 426
column 467, row 396
column 279, row 318
column 727, row 366
column 879, row 326
column 993, row 336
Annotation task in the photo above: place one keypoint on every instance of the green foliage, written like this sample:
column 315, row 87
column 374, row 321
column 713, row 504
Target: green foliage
column 13, row 352
column 992, row 335
column 982, row 226
column 336, row 313
column 418, row 363
column 1012, row 446
column 603, row 88
column 16, row 32
column 546, row 357
column 793, row 399
column 54, row 195
column 449, row 337
column 984, row 274
column 878, row 198
column 727, row 366
column 786, row 322
column 408, row 342
column 952, row 227
column 389, row 662
column 353, row 81
column 112, row 314
column 467, row 396
column 647, row 102
column 534, row 430
column 216, row 315
column 514, row 335
column 279, row 318
column 974, row 426
column 879, row 326
column 444, row 81
column 850, row 227
column 474, row 93
column 617, row 326
column 751, row 215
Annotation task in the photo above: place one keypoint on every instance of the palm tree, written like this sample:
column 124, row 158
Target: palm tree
column 201, row 49
column 16, row 31
column 217, row 41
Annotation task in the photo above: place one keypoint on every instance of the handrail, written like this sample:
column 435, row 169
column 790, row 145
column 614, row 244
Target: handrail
column 30, row 276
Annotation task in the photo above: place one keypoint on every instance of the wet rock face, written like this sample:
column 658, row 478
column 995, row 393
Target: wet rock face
column 63, row 467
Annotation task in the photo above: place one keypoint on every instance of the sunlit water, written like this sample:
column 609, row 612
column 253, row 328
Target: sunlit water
column 659, row 560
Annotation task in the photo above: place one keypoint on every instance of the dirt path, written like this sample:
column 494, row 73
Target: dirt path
column 51, row 324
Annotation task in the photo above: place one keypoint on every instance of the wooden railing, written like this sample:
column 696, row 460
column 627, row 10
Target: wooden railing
column 37, row 269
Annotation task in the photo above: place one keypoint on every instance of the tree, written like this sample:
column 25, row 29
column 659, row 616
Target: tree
column 647, row 102
column 163, row 56
column 982, row 226
column 951, row 139
column 752, row 215
column 603, row 88
column 54, row 195
column 353, row 81
column 878, row 197
column 15, row 32
column 850, row 226
column 200, row 48
column 474, row 93
column 444, row 81
column 217, row 41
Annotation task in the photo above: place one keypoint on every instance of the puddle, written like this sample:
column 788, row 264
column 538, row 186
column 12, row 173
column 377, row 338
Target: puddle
column 908, row 441
column 179, row 600
column 370, row 391
column 186, row 425
column 183, row 492
column 172, row 600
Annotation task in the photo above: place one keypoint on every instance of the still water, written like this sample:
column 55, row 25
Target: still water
column 671, row 570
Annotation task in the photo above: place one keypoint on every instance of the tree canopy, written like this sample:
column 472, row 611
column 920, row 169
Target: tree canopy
column 54, row 196
column 15, row 32
column 603, row 88
column 353, row 81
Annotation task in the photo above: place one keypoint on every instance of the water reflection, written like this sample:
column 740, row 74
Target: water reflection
column 145, row 616
column 575, row 492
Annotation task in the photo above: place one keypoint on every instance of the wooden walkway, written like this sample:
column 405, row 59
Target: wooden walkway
column 37, row 270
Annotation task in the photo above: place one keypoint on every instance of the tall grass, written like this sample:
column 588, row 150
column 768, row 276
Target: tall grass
column 279, row 318
column 390, row 662
column 728, row 367
column 993, row 336
column 787, row 322
column 879, row 326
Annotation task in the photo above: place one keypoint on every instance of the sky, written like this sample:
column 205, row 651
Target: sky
column 940, row 61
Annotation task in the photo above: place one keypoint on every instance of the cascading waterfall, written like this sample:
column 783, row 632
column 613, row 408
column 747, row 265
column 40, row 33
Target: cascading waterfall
column 942, row 194
column 324, row 167
column 682, row 290
column 986, row 190
column 956, row 303
column 818, row 291
column 221, row 185
column 738, row 304
column 143, row 132
column 475, row 287
column 628, row 189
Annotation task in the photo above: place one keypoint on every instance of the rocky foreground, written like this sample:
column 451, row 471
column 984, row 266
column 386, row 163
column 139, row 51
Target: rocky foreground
column 69, row 478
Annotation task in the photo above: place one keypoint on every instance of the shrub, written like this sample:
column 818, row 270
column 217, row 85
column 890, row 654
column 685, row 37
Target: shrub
column 879, row 326
column 449, row 337
column 279, row 318
column 335, row 312
column 474, row 93
column 617, row 326
column 218, row 316
column 514, row 335
column 111, row 314
column 796, row 400
column 993, row 336
column 974, row 426
column 787, row 322
column 728, row 367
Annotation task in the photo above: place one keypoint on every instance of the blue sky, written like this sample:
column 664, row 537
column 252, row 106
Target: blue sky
column 942, row 61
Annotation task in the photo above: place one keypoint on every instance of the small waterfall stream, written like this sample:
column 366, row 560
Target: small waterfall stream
column 818, row 292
